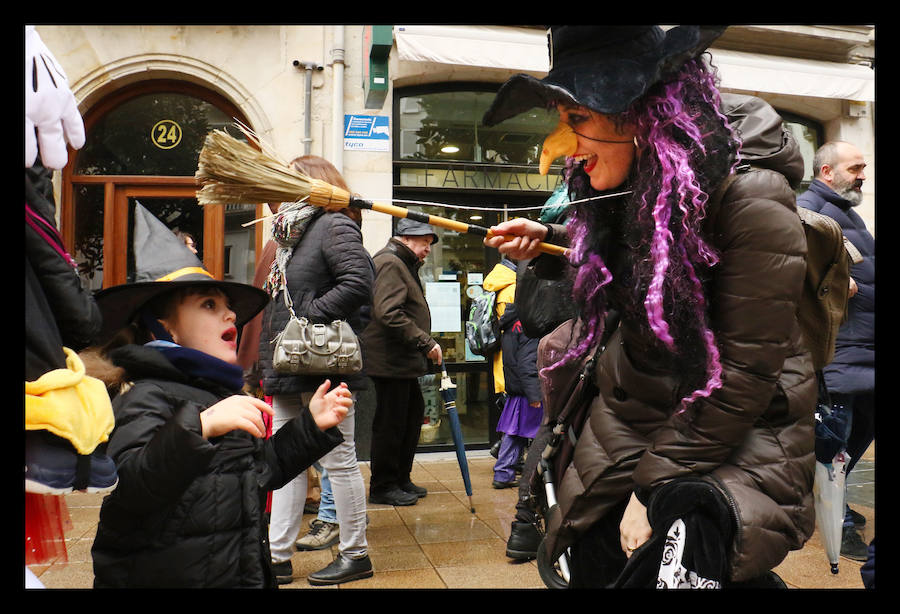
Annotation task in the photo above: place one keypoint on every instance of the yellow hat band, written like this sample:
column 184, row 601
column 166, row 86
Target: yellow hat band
column 185, row 271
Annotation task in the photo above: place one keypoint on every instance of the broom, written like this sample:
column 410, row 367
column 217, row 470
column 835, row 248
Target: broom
column 234, row 172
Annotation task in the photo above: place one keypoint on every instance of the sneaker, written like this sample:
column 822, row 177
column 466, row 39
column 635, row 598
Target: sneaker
column 342, row 569
column 321, row 535
column 413, row 489
column 852, row 545
column 53, row 467
column 283, row 572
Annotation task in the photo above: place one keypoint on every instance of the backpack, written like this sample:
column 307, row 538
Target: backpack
column 826, row 287
column 483, row 326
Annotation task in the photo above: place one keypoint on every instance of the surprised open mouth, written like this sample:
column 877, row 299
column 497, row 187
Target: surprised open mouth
column 230, row 335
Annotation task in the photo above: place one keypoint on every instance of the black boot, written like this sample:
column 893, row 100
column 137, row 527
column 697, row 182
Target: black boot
column 523, row 542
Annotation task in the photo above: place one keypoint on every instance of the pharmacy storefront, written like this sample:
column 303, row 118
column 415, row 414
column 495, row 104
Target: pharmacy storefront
column 445, row 163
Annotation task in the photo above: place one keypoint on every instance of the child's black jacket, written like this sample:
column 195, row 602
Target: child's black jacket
column 190, row 512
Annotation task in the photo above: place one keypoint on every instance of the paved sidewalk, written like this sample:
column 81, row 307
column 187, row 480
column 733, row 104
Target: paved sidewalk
column 439, row 544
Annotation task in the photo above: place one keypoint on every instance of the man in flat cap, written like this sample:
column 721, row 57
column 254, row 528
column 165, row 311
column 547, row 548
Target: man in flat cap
column 397, row 345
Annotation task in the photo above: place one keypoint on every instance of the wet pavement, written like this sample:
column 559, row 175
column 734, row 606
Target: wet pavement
column 439, row 544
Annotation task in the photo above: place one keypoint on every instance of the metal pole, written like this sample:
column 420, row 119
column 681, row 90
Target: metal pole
column 337, row 103
column 309, row 67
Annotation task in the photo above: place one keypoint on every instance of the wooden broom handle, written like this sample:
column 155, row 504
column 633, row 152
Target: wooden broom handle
column 441, row 222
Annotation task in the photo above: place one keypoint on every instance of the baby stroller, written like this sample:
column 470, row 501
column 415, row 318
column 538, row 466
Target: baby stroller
column 568, row 392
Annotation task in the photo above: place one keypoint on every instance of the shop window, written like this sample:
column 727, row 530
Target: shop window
column 809, row 137
column 159, row 133
column 142, row 144
column 446, row 126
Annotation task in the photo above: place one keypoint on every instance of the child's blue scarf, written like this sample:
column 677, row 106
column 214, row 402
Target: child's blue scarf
column 195, row 363
column 192, row 362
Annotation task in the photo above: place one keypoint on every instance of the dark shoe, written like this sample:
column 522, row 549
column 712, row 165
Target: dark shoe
column 283, row 572
column 858, row 519
column 852, row 545
column 523, row 541
column 321, row 535
column 53, row 467
column 395, row 496
column 413, row 489
column 495, row 449
column 510, row 484
column 342, row 570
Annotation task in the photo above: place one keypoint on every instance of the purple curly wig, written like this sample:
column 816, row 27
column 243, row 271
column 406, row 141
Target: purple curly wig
column 685, row 149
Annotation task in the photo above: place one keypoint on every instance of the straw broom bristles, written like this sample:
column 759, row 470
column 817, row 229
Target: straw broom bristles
column 233, row 172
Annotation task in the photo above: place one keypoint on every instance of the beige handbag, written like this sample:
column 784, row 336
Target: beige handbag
column 303, row 348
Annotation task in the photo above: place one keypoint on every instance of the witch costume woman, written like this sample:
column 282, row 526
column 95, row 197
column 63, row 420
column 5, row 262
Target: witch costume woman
column 695, row 466
column 189, row 507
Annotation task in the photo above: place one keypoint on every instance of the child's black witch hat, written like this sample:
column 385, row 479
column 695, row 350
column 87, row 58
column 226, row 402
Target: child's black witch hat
column 164, row 263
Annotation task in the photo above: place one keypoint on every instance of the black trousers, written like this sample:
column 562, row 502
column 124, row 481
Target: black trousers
column 399, row 411
column 862, row 423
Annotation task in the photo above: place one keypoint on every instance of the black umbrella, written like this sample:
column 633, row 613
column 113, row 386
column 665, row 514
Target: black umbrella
column 448, row 393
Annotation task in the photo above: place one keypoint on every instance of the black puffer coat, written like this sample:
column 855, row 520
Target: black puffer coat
column 330, row 277
column 520, row 355
column 58, row 310
column 753, row 437
column 189, row 512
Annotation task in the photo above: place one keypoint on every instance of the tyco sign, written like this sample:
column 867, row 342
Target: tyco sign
column 367, row 133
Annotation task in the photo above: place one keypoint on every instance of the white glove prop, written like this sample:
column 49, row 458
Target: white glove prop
column 51, row 113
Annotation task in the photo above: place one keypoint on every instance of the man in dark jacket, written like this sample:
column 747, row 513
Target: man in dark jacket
column 850, row 377
column 397, row 345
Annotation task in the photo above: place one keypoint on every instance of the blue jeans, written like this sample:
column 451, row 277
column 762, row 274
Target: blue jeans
column 327, row 512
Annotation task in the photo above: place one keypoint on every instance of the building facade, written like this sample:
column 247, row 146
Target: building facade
column 397, row 110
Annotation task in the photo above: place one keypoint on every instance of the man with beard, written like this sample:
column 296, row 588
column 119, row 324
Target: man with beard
column 850, row 377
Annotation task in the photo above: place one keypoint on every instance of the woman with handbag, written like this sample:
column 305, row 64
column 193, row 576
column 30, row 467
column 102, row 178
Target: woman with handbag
column 328, row 277
column 701, row 434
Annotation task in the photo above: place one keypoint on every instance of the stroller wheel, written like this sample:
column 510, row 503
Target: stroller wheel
column 551, row 572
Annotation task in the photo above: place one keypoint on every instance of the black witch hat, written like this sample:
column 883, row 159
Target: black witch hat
column 164, row 263
column 604, row 68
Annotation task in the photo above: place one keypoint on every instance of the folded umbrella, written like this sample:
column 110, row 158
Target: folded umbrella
column 448, row 393
column 828, row 494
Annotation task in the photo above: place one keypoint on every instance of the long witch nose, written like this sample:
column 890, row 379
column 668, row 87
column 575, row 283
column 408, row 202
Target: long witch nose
column 561, row 142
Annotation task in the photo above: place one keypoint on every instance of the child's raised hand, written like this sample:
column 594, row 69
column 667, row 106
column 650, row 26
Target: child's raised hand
column 329, row 407
column 236, row 412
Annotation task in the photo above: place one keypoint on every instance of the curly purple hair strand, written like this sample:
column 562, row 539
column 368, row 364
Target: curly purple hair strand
column 686, row 147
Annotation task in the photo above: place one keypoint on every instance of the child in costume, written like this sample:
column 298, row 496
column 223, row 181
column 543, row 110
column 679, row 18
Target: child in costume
column 194, row 465
column 523, row 410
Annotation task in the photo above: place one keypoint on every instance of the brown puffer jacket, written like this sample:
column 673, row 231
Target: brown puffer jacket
column 754, row 436
column 397, row 340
